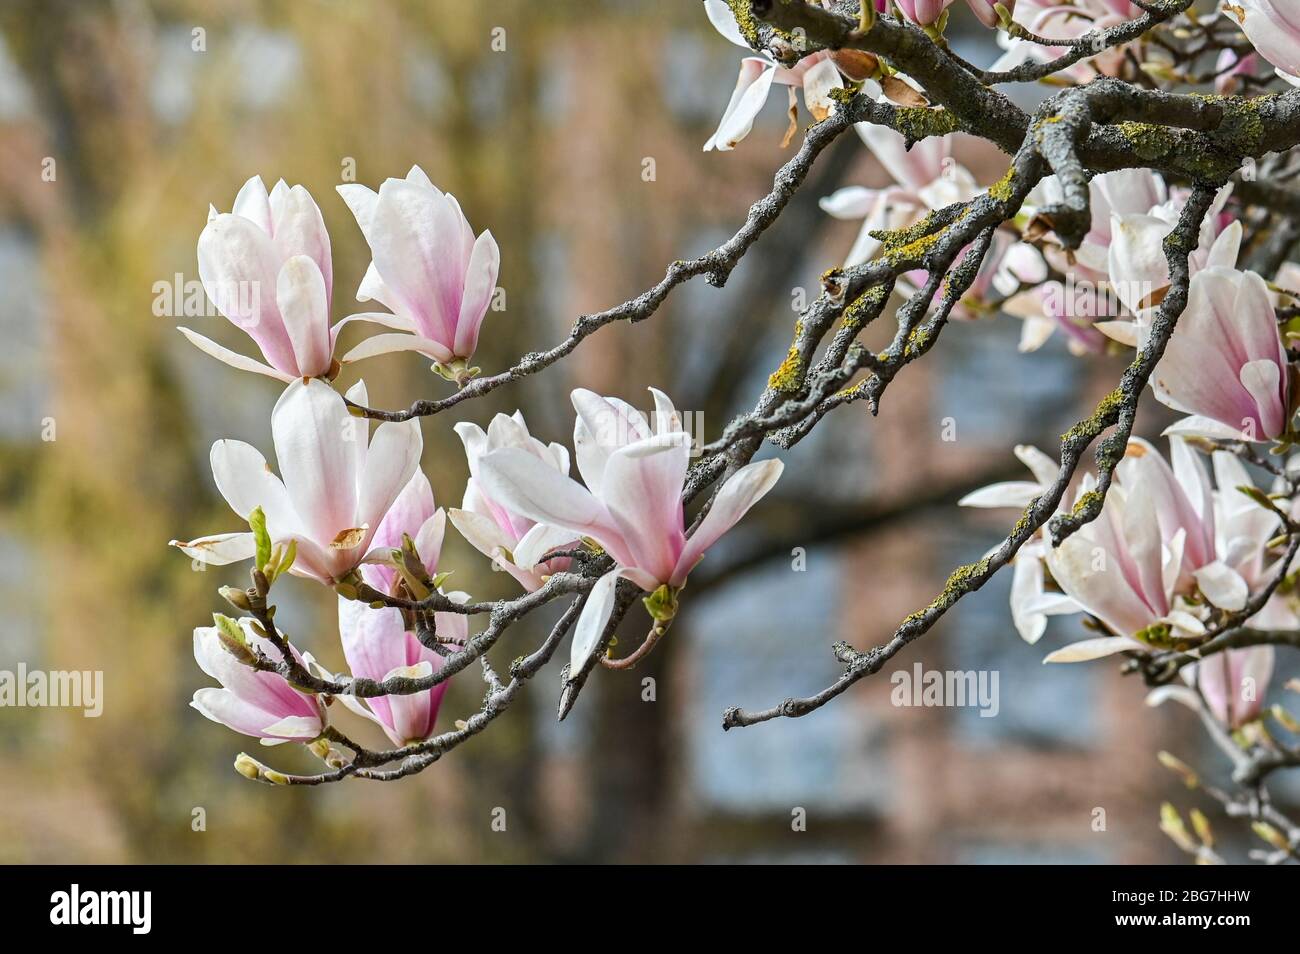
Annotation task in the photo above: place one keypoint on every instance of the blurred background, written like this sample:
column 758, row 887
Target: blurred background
column 540, row 117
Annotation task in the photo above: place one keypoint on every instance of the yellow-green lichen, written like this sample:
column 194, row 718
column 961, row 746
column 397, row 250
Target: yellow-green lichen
column 1100, row 419
column 1002, row 190
column 788, row 377
column 919, row 122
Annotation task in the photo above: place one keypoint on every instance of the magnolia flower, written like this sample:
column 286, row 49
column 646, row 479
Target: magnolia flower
column 1231, row 683
column 512, row 540
column 429, row 270
column 1273, row 28
column 266, row 266
column 1164, row 536
column 1119, row 569
column 816, row 75
column 632, row 504
column 260, row 704
column 337, row 484
column 1225, row 363
column 926, row 178
column 377, row 644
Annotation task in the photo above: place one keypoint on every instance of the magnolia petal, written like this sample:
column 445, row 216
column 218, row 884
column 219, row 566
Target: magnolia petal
column 1223, row 586
column 1089, row 649
column 742, row 490
column 219, row 549
column 591, row 624
column 232, row 358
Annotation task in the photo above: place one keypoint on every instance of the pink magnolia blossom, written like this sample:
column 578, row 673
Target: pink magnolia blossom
column 1166, row 543
column 266, row 266
column 260, row 704
column 632, row 503
column 337, row 484
column 429, row 270
column 376, row 643
column 1225, row 364
column 816, row 75
column 1273, row 28
column 514, row 541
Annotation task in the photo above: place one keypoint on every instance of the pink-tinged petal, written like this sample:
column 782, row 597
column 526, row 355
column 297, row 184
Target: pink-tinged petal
column 396, row 322
column 591, row 624
column 914, row 168
column 1210, row 366
column 480, row 283
column 299, row 229
column 1138, row 267
column 1088, row 649
column 375, row 647
column 1102, row 592
column 303, row 300
column 238, row 265
column 246, row 482
column 539, row 541
column 408, row 513
column 1013, row 493
column 416, row 239
column 482, row 532
column 747, row 99
column 254, row 204
column 225, row 708
column 1226, row 248
column 603, row 425
column 219, row 549
column 742, row 490
column 1222, row 586
column 317, row 444
column 642, row 489
column 521, row 482
column 233, row 358
column 391, row 343
column 392, row 459
column 428, row 540
column 1273, row 28
column 666, row 419
column 1199, row 426
column 1262, row 380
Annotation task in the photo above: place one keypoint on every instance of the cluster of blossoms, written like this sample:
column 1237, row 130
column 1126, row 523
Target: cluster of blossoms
column 1173, row 557
column 352, row 509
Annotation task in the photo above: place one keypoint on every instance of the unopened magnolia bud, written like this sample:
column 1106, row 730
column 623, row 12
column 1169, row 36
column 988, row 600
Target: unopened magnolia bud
column 1201, row 824
column 320, row 748
column 236, row 597
column 274, row 777
column 248, row 766
column 346, row 590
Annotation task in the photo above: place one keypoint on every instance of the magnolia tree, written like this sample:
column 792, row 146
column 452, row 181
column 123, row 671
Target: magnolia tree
column 1147, row 208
